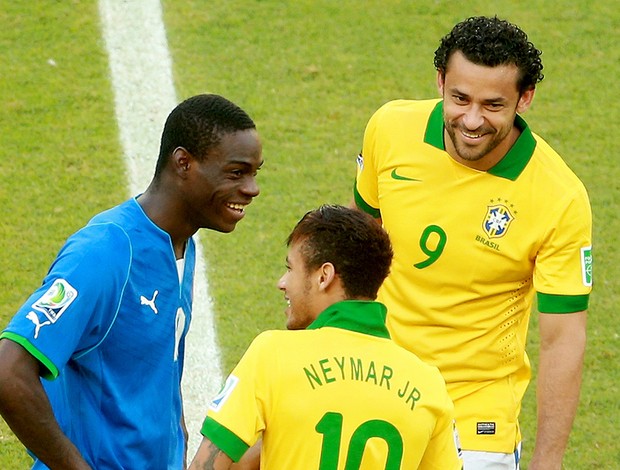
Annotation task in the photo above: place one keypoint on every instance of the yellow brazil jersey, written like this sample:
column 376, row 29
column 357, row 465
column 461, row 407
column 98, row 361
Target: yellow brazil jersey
column 338, row 395
column 471, row 250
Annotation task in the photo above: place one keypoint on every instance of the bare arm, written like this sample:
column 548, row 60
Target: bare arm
column 251, row 459
column 562, row 348
column 27, row 410
column 210, row 457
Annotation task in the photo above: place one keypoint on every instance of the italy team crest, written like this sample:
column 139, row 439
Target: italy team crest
column 497, row 221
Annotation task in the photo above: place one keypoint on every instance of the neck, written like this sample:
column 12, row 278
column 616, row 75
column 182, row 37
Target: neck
column 163, row 212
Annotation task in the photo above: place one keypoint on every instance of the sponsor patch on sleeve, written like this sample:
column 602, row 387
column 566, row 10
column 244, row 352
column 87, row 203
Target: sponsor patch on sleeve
column 586, row 265
column 360, row 162
column 220, row 399
column 56, row 300
column 52, row 304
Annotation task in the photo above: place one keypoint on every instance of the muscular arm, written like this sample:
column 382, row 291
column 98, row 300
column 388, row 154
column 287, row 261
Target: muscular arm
column 562, row 347
column 26, row 409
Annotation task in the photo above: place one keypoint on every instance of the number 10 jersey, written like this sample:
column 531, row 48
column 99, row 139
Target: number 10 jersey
column 339, row 393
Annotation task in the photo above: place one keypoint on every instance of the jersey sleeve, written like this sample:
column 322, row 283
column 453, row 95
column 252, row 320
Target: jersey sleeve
column 563, row 269
column 236, row 416
column 444, row 450
column 365, row 190
column 75, row 306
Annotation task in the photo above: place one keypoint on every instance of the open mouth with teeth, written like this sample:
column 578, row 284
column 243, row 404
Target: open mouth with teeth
column 471, row 136
column 236, row 207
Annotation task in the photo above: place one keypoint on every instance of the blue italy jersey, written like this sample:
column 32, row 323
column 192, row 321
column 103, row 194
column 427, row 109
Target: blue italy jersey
column 108, row 325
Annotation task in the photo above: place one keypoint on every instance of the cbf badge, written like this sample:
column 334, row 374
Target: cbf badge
column 497, row 221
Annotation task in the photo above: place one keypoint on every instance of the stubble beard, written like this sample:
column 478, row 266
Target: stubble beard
column 470, row 153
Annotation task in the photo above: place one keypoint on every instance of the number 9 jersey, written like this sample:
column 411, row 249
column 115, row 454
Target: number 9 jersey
column 471, row 250
column 340, row 394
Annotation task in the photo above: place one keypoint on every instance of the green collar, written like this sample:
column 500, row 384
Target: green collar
column 362, row 316
column 509, row 167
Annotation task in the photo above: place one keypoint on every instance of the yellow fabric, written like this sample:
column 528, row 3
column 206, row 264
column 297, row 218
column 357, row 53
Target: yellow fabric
column 465, row 308
column 296, row 386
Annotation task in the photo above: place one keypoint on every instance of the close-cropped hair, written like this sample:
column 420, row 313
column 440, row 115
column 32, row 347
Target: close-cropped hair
column 198, row 124
column 352, row 241
column 491, row 41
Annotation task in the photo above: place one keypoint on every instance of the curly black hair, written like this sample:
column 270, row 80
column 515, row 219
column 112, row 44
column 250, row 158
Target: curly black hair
column 491, row 41
column 198, row 124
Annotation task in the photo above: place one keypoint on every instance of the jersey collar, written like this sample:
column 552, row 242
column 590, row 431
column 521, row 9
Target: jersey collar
column 509, row 167
column 361, row 316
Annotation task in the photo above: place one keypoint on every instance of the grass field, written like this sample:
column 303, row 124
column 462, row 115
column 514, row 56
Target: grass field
column 310, row 73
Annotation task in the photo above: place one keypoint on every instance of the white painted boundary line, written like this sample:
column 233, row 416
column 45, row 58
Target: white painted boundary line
column 144, row 95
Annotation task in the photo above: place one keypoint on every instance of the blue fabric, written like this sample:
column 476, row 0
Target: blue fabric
column 119, row 355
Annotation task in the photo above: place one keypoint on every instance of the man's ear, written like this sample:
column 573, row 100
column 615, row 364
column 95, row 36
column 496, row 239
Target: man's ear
column 326, row 276
column 440, row 82
column 525, row 100
column 181, row 161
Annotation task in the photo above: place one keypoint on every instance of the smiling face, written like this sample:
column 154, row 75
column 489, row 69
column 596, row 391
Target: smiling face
column 480, row 104
column 219, row 187
column 300, row 291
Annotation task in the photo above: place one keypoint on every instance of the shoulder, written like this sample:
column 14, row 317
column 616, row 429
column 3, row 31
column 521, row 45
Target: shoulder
column 406, row 107
column 400, row 116
column 554, row 173
column 100, row 236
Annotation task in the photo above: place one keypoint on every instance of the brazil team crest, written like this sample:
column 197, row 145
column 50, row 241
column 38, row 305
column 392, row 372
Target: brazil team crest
column 497, row 220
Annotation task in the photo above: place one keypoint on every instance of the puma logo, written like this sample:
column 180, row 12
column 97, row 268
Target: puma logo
column 150, row 302
column 37, row 324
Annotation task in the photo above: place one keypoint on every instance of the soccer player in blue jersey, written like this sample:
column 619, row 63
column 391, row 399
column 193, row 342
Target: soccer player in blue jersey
column 106, row 329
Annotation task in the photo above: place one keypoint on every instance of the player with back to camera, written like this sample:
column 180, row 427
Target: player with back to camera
column 334, row 391
column 483, row 216
column 106, row 330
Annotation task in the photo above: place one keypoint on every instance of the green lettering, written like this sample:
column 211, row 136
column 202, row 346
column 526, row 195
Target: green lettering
column 372, row 374
column 312, row 376
column 340, row 366
column 413, row 397
column 386, row 375
column 326, row 370
column 356, row 369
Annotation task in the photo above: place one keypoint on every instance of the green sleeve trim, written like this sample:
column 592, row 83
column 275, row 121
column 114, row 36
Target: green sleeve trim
column 51, row 371
column 363, row 205
column 552, row 303
column 224, row 439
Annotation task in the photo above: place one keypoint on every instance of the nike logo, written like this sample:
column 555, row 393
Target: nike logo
column 402, row 178
column 150, row 302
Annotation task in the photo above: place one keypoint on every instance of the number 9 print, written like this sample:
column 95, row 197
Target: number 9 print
column 432, row 243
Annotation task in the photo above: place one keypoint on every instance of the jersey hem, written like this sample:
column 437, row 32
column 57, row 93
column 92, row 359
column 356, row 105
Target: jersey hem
column 552, row 303
column 223, row 438
column 363, row 205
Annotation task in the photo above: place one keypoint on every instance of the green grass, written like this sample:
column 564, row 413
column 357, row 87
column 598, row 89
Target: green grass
column 310, row 73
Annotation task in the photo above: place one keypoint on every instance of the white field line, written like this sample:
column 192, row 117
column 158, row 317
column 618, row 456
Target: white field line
column 144, row 94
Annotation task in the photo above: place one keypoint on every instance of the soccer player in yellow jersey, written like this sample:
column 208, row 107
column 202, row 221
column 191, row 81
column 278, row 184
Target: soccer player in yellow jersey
column 334, row 392
column 483, row 217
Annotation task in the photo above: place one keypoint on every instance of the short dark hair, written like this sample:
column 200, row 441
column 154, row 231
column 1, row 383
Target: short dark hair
column 198, row 124
column 491, row 42
column 351, row 240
